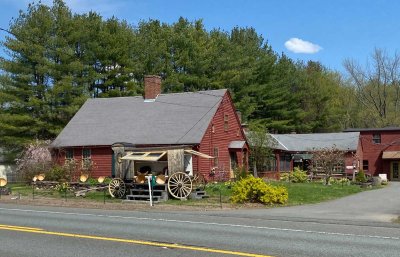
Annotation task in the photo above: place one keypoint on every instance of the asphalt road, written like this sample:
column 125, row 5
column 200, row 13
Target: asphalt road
column 49, row 231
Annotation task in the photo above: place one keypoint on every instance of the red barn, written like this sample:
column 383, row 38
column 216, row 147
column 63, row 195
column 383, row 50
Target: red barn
column 206, row 121
column 380, row 151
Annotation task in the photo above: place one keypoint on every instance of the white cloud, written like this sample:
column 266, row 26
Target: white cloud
column 298, row 45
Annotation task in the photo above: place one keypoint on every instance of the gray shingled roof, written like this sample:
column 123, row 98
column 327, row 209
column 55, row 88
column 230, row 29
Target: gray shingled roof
column 237, row 144
column 180, row 118
column 372, row 129
column 306, row 142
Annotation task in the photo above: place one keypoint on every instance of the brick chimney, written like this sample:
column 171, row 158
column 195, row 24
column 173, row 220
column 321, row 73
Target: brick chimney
column 152, row 87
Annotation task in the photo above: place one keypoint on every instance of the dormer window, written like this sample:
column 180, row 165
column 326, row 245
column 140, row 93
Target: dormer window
column 376, row 138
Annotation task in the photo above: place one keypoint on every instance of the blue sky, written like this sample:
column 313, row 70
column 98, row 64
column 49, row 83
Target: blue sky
column 325, row 31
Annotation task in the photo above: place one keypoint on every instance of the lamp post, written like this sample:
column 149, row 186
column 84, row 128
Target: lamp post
column 83, row 178
column 41, row 177
column 101, row 180
column 33, row 187
column 3, row 183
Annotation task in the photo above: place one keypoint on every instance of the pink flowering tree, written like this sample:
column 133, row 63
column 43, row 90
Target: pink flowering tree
column 35, row 159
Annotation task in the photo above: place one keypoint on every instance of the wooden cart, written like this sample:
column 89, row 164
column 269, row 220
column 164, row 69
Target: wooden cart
column 167, row 165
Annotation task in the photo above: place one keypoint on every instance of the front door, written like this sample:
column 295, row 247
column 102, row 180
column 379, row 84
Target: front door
column 234, row 160
column 394, row 170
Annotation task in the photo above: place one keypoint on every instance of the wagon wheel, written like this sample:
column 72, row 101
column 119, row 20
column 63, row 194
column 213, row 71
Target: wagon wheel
column 199, row 182
column 117, row 188
column 180, row 185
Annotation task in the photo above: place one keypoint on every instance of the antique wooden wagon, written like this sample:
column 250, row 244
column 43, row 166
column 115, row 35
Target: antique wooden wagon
column 170, row 168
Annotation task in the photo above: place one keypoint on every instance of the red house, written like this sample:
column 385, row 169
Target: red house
column 380, row 151
column 205, row 121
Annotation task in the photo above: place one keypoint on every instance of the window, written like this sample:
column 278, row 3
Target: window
column 69, row 154
column 216, row 155
column 284, row 162
column 86, row 159
column 365, row 165
column 226, row 120
column 86, row 154
column 270, row 164
column 376, row 138
column 212, row 128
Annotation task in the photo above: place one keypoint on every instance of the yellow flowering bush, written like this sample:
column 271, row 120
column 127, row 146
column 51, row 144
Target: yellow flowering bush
column 251, row 189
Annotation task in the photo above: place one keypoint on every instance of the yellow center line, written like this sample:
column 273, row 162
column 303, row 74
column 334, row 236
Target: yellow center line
column 27, row 228
column 121, row 240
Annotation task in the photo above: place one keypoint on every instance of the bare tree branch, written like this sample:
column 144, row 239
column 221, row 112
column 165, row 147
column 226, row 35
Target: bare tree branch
column 377, row 85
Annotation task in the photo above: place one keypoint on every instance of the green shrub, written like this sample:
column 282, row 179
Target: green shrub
column 339, row 181
column 360, row 177
column 284, row 176
column 58, row 173
column 297, row 176
column 240, row 173
column 251, row 189
column 62, row 187
column 94, row 181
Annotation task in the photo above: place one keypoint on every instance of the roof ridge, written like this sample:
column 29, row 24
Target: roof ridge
column 163, row 94
column 194, row 92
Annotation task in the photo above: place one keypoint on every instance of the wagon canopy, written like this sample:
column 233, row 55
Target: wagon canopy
column 156, row 155
column 199, row 154
column 144, row 156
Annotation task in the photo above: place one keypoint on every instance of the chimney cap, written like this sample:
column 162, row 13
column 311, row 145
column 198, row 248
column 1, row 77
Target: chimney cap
column 152, row 76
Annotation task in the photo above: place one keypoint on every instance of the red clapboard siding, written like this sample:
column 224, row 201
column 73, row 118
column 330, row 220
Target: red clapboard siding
column 102, row 161
column 216, row 136
column 101, row 157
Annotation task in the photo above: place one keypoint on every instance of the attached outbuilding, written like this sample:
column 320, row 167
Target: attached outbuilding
column 296, row 150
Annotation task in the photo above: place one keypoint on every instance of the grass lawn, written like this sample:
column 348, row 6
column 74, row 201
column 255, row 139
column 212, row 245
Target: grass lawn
column 20, row 188
column 306, row 193
column 299, row 193
column 219, row 194
column 27, row 191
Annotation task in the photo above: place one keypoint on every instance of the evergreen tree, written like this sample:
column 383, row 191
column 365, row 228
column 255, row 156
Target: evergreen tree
column 58, row 59
column 26, row 81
